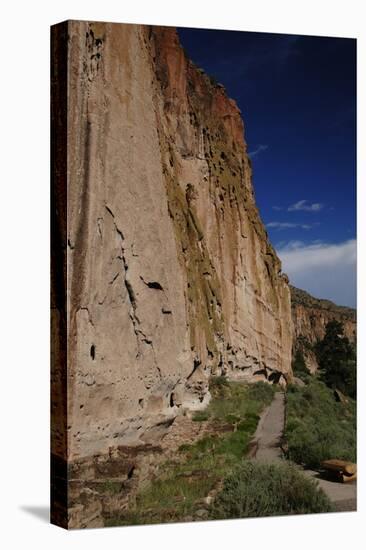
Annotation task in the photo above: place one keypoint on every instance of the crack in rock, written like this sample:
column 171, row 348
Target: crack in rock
column 141, row 337
column 85, row 308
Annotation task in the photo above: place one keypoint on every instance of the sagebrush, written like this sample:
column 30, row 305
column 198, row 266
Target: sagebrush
column 318, row 426
column 257, row 489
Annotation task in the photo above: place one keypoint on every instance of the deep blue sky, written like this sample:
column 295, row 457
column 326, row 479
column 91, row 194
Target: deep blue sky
column 297, row 95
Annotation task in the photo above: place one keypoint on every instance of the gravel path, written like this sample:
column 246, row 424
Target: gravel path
column 269, row 431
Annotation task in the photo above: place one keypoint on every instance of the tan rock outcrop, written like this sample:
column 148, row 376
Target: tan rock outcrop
column 170, row 274
column 310, row 317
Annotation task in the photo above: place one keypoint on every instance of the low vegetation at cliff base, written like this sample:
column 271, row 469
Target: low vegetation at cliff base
column 235, row 402
column 257, row 490
column 319, row 426
column 180, row 487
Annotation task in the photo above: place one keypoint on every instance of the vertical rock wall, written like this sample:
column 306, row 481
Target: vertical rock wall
column 238, row 302
column 171, row 277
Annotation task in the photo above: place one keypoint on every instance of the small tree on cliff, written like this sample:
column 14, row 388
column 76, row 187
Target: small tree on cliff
column 336, row 358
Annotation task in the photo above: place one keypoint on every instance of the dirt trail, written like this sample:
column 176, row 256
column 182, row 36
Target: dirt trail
column 266, row 445
column 267, row 438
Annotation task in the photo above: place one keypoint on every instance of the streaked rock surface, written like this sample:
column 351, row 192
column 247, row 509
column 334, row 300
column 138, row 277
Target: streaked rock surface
column 171, row 277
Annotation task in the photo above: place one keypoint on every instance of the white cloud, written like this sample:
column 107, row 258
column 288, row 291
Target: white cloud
column 325, row 270
column 277, row 208
column 290, row 225
column 258, row 150
column 306, row 206
column 288, row 245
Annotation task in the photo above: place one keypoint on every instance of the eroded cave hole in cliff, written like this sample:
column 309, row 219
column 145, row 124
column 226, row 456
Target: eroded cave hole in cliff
column 274, row 377
column 130, row 472
column 196, row 364
column 263, row 372
column 92, row 351
column 154, row 284
column 172, row 400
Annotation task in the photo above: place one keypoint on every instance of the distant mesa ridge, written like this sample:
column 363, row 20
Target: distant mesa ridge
column 301, row 297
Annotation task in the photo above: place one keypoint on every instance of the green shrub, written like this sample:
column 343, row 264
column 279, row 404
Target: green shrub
column 304, row 343
column 256, row 489
column 318, row 427
column 249, row 424
column 218, row 381
column 200, row 416
column 233, row 402
column 262, row 392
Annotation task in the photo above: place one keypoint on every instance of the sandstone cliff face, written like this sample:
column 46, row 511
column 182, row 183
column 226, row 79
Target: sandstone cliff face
column 171, row 277
column 310, row 317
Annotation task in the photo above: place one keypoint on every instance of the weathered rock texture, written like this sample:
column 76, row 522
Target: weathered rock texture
column 170, row 274
column 310, row 317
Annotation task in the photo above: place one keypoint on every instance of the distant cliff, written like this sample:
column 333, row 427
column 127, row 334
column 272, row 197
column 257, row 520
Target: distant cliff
column 310, row 316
